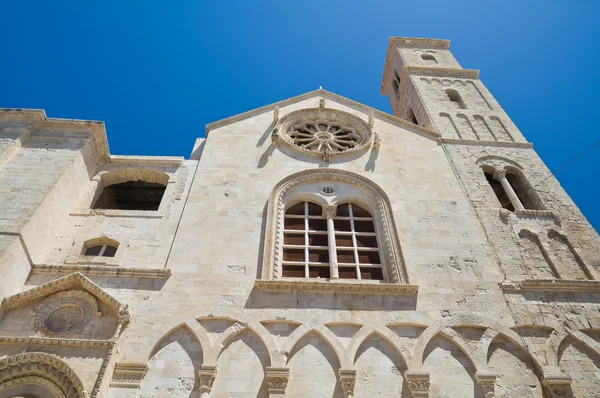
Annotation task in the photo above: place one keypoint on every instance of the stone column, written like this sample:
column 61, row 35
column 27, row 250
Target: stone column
column 329, row 212
column 500, row 175
column 487, row 382
column 558, row 384
column 206, row 377
column 348, row 381
column 277, row 379
column 418, row 383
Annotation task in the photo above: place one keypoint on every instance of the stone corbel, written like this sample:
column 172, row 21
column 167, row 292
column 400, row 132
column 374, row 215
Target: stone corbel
column 277, row 380
column 129, row 374
column 206, row 377
column 418, row 383
column 348, row 381
column 558, row 384
column 276, row 114
column 275, row 137
column 487, row 382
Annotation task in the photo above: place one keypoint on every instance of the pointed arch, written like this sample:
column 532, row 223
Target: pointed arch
column 324, row 333
column 386, row 334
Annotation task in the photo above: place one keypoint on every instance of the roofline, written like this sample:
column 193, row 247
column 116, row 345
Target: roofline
column 325, row 94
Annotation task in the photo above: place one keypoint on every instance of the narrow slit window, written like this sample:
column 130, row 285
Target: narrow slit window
column 429, row 58
column 396, row 82
column 412, row 117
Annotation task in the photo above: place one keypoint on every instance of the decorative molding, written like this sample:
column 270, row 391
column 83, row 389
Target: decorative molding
column 559, row 384
column 419, row 42
column 418, row 383
column 206, row 377
column 51, row 341
column 347, row 381
column 314, row 132
column 277, row 379
column 129, row 374
column 505, row 144
column 440, row 72
column 350, row 287
column 537, row 214
column 99, row 270
column 117, row 213
column 389, row 238
column 551, row 285
column 66, row 283
column 17, row 370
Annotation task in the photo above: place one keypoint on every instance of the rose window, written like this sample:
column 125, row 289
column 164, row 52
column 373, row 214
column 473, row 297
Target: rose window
column 323, row 132
column 322, row 136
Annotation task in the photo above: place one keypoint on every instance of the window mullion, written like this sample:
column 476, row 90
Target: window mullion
column 102, row 250
column 306, row 244
column 354, row 244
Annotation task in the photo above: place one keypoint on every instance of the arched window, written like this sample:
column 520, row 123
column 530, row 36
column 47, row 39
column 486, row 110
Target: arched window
column 412, row 117
column 130, row 189
column 512, row 189
column 100, row 247
column 396, row 82
column 455, row 98
column 331, row 225
column 429, row 58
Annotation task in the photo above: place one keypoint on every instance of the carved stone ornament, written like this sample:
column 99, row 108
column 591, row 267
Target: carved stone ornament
column 418, row 383
column 487, row 382
column 206, row 377
column 324, row 132
column 277, row 379
column 129, row 374
column 66, row 313
column 348, row 381
column 40, row 369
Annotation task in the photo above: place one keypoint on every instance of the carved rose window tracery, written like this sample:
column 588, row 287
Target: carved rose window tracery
column 323, row 132
column 322, row 135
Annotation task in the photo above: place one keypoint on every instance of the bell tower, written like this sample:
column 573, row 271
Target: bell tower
column 427, row 86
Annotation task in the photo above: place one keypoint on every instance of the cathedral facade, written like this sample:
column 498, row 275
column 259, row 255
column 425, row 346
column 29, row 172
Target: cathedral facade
column 315, row 247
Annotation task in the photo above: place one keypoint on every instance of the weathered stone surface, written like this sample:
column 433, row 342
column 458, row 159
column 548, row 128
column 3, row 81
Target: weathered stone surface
column 475, row 299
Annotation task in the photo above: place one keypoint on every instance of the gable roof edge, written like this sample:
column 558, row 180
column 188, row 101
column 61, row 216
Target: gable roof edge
column 326, row 94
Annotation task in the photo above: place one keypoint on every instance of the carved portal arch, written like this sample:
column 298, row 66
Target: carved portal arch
column 382, row 212
column 23, row 373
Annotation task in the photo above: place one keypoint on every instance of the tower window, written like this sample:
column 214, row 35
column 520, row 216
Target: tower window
column 512, row 189
column 396, row 82
column 105, row 250
column 429, row 58
column 131, row 195
column 412, row 117
column 455, row 97
column 307, row 249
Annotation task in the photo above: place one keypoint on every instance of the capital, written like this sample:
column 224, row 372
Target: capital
column 499, row 175
column 329, row 211
column 206, row 377
column 418, row 383
column 277, row 380
column 487, row 382
column 348, row 381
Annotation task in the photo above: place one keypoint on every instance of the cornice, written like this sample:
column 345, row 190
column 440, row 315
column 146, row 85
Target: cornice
column 551, row 285
column 505, row 144
column 441, row 72
column 99, row 270
column 47, row 341
column 330, row 96
column 419, row 42
column 280, row 286
column 147, row 160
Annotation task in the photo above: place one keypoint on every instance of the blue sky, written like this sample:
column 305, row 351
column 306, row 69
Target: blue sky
column 156, row 74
